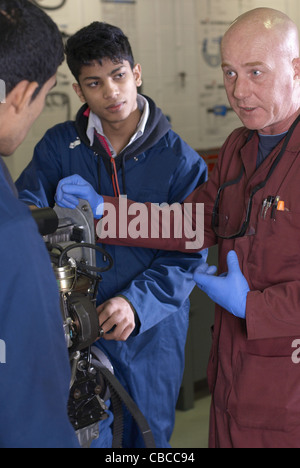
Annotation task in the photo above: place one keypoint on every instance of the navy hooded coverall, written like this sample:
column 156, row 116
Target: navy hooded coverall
column 159, row 167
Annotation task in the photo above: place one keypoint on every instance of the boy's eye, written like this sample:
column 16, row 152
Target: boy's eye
column 119, row 76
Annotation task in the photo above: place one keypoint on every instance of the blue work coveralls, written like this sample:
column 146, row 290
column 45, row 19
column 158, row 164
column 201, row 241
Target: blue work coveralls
column 34, row 364
column 159, row 167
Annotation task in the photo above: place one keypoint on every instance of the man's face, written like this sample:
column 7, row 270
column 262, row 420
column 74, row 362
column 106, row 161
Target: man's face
column 36, row 106
column 20, row 112
column 260, row 81
column 110, row 90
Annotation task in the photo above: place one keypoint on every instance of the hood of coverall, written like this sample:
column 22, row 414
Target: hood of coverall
column 157, row 126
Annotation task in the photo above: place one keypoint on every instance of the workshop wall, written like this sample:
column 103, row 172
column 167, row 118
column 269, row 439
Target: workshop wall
column 177, row 43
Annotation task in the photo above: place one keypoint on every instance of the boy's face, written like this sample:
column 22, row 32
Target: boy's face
column 110, row 90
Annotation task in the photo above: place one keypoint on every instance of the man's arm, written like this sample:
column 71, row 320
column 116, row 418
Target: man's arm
column 182, row 227
column 271, row 313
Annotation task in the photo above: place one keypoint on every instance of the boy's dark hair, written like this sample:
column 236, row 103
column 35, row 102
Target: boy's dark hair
column 96, row 42
column 31, row 46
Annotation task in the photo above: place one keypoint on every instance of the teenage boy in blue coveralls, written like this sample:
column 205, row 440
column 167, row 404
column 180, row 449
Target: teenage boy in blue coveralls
column 122, row 144
column 34, row 367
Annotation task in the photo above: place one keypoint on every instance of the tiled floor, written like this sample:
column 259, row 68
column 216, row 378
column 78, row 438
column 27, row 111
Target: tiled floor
column 191, row 427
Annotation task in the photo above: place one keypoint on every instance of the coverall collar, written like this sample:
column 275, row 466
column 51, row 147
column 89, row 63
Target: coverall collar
column 7, row 177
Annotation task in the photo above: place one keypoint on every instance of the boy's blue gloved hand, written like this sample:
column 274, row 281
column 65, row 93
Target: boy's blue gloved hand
column 73, row 188
column 230, row 290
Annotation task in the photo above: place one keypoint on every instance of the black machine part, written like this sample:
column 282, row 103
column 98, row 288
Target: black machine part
column 46, row 220
column 86, row 321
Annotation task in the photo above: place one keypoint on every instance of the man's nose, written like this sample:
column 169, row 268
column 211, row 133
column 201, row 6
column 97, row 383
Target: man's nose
column 242, row 88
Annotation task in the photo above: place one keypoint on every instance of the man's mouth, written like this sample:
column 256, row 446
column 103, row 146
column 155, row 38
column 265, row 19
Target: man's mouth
column 247, row 109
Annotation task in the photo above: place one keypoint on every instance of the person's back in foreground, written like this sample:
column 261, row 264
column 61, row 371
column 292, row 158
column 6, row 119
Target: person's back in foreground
column 34, row 364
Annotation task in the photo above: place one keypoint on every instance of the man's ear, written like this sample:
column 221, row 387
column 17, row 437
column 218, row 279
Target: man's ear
column 21, row 95
column 296, row 65
column 78, row 91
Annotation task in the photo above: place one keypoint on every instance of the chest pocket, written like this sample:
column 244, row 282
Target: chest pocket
column 275, row 253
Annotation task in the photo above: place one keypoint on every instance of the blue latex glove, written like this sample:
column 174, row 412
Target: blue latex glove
column 73, row 188
column 205, row 269
column 230, row 290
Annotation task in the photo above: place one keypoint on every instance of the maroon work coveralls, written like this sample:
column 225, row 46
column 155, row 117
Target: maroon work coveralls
column 254, row 382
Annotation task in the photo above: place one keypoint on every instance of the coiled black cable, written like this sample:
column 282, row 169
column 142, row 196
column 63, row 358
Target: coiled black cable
column 88, row 246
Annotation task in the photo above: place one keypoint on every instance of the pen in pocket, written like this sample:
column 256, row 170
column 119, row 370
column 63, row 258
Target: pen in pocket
column 278, row 205
column 267, row 203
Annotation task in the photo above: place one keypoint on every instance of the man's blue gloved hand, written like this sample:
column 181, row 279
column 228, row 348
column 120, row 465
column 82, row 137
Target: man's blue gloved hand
column 230, row 290
column 205, row 269
column 73, row 188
